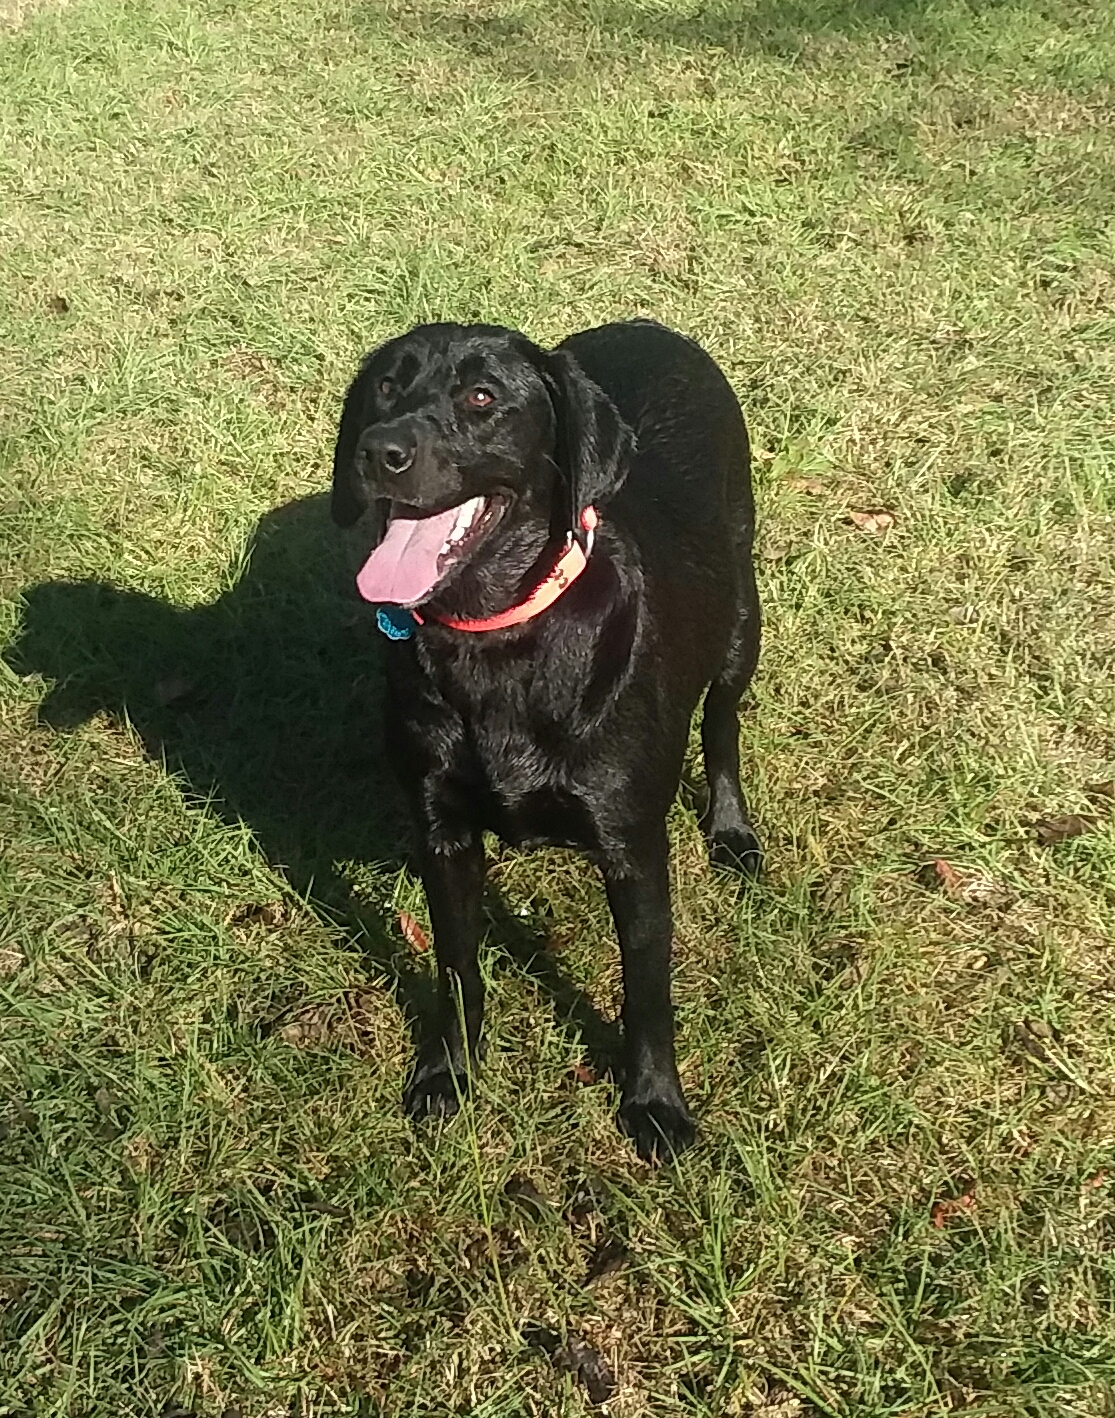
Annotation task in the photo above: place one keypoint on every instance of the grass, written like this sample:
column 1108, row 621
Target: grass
column 890, row 220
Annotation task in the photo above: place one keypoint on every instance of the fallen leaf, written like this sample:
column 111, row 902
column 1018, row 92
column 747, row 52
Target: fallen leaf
column 948, row 876
column 1051, row 830
column 947, row 1207
column 581, row 1073
column 969, row 887
column 873, row 520
column 588, row 1197
column 606, row 1259
column 58, row 305
column 522, row 1190
column 1097, row 1179
column 983, row 891
column 141, row 1154
column 1100, row 794
column 1028, row 1036
column 172, row 687
column 324, row 1208
column 541, row 1336
column 413, row 933
column 813, row 486
column 310, row 1026
column 589, row 1367
column 106, row 1101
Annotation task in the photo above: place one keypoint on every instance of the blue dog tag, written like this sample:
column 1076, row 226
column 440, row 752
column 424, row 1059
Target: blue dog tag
column 396, row 623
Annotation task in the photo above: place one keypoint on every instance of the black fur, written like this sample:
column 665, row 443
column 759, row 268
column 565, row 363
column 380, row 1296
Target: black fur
column 569, row 729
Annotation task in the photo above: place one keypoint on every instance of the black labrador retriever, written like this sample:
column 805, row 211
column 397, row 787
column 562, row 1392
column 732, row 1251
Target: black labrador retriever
column 561, row 551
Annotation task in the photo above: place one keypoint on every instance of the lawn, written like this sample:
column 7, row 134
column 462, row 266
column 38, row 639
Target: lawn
column 892, row 222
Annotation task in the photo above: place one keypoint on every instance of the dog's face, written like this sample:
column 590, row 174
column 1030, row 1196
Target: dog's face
column 456, row 432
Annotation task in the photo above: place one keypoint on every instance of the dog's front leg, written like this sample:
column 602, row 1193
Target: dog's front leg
column 454, row 882
column 653, row 1110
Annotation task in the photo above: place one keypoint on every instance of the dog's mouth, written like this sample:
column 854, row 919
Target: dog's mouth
column 418, row 552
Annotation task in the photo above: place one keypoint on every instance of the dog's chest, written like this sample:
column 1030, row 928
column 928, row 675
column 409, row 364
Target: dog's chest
column 532, row 775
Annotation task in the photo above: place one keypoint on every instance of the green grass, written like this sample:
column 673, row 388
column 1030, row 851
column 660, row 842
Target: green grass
column 891, row 221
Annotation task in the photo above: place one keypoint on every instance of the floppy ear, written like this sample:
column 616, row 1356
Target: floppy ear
column 594, row 444
column 350, row 497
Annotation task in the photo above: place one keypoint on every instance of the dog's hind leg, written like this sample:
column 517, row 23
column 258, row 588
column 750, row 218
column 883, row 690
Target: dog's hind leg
column 732, row 842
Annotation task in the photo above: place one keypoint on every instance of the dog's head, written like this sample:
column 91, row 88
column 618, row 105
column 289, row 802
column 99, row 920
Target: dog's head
column 456, row 434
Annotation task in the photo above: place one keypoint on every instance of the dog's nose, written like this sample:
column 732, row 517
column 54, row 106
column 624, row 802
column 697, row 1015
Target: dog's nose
column 396, row 454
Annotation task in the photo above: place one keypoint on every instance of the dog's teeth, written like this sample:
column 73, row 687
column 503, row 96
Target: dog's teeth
column 466, row 516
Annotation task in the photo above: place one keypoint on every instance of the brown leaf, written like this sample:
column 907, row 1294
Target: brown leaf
column 969, row 887
column 873, row 520
column 581, row 1073
column 58, row 305
column 522, row 1190
column 1101, row 795
column 141, row 1154
column 1097, row 1179
column 589, row 1367
column 309, row 1026
column 1051, row 830
column 813, row 486
column 1028, row 1036
column 413, row 933
column 948, row 876
column 606, row 1259
column 324, row 1208
column 172, row 687
column 946, row 1207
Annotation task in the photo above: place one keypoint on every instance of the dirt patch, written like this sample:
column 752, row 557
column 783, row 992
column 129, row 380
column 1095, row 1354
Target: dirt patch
column 15, row 13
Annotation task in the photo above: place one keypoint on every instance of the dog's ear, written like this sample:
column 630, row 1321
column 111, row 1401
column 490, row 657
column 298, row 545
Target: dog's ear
column 594, row 444
column 350, row 497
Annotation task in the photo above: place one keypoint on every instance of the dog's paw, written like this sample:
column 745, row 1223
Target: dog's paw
column 659, row 1129
column 736, row 849
column 434, row 1092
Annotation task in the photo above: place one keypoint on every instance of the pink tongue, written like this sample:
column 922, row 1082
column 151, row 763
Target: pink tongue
column 403, row 568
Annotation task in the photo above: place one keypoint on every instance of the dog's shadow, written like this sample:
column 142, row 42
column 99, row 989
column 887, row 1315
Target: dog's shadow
column 267, row 704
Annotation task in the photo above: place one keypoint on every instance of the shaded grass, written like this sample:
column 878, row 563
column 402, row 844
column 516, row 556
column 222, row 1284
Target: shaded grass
column 891, row 222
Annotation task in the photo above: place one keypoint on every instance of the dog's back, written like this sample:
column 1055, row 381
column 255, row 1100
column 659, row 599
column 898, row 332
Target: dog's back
column 687, row 499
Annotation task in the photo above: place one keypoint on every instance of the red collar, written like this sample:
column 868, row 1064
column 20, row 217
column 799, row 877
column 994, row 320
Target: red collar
column 573, row 560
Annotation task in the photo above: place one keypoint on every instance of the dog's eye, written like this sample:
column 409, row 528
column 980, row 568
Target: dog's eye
column 480, row 398
column 386, row 387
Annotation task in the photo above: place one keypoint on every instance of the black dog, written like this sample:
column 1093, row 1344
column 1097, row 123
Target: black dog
column 548, row 674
